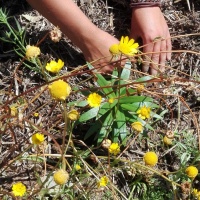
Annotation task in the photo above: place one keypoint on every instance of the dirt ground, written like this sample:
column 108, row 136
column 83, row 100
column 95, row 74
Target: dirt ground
column 113, row 16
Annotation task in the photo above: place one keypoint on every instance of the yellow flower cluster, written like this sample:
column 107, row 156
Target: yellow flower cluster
column 18, row 189
column 60, row 90
column 103, row 181
column 150, row 158
column 191, row 172
column 37, row 138
column 94, row 100
column 144, row 112
column 167, row 141
column 32, row 52
column 114, row 149
column 61, row 177
column 54, row 66
column 73, row 115
column 111, row 100
column 126, row 46
column 196, row 193
column 77, row 167
column 137, row 126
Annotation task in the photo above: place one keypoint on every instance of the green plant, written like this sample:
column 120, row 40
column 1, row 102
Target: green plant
column 14, row 36
column 118, row 108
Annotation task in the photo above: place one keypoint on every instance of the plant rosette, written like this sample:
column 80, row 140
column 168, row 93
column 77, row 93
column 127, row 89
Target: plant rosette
column 118, row 107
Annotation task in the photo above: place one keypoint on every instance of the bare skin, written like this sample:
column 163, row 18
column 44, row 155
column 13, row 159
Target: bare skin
column 73, row 22
column 149, row 23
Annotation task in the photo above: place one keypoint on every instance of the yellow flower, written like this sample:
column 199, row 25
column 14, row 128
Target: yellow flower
column 191, row 171
column 36, row 114
column 94, row 100
column 54, row 66
column 150, row 158
column 18, row 189
column 61, row 177
column 111, row 100
column 73, row 115
column 144, row 112
column 32, row 51
column 139, row 88
column 37, row 138
column 137, row 126
column 114, row 49
column 128, row 47
column 196, row 193
column 60, row 90
column 103, row 181
column 77, row 167
column 106, row 143
column 114, row 148
column 167, row 141
column 13, row 110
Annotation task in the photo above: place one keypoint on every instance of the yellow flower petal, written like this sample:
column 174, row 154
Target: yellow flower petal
column 114, row 49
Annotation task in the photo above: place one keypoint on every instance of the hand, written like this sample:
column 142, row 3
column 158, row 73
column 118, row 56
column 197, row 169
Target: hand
column 148, row 23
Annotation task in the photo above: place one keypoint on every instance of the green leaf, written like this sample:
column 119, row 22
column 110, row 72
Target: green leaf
column 130, row 117
column 105, row 108
column 153, row 114
column 130, row 107
column 107, row 121
column 145, row 78
column 125, row 75
column 89, row 114
column 119, row 127
column 93, row 129
column 132, row 99
column 78, row 103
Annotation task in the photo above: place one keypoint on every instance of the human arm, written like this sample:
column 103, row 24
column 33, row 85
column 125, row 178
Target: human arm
column 65, row 14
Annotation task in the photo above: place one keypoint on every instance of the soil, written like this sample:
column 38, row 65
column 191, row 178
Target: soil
column 183, row 18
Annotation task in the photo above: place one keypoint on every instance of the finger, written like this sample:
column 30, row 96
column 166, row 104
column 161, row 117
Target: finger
column 155, row 58
column 168, row 48
column 147, row 57
column 163, row 56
